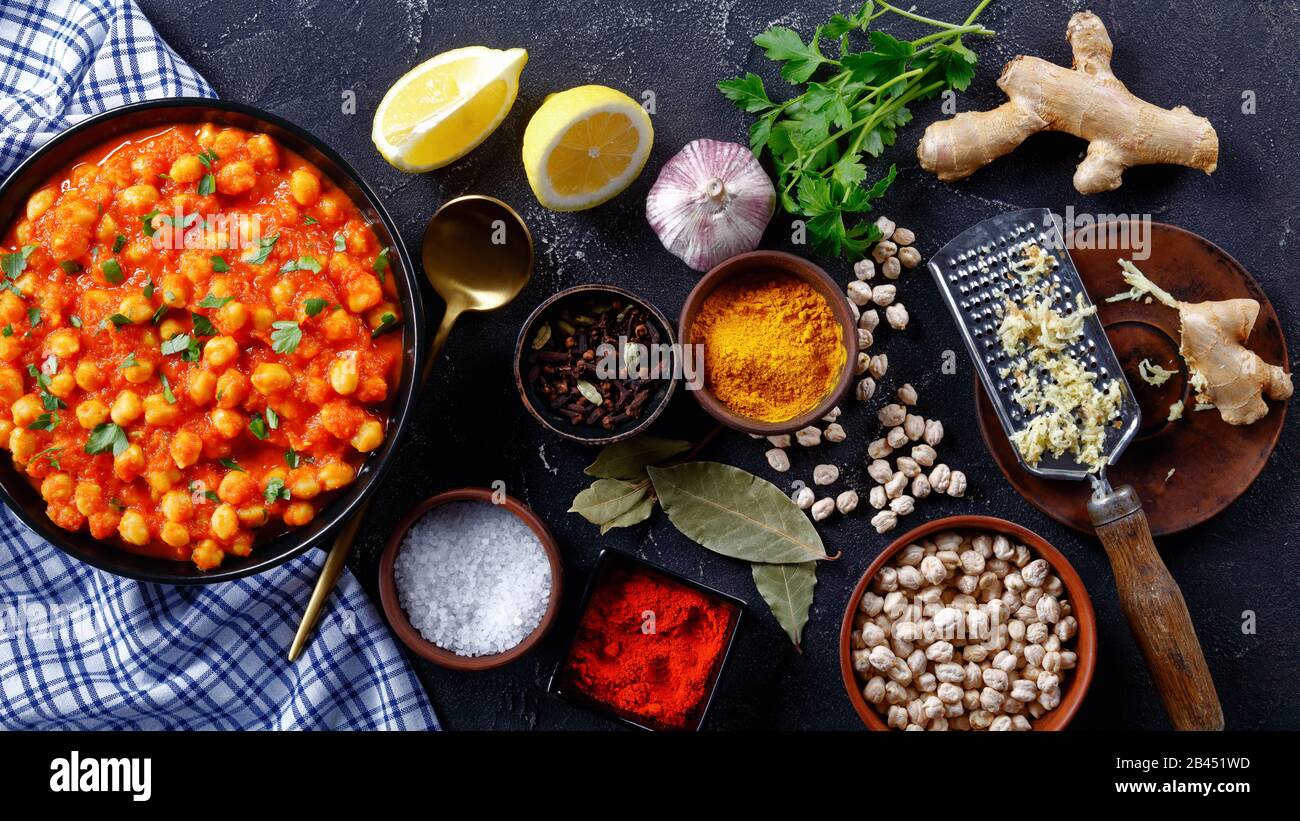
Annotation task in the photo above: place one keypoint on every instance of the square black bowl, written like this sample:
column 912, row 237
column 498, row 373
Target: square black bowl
column 561, row 686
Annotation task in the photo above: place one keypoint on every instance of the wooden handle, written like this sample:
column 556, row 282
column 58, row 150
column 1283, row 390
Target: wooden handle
column 1156, row 613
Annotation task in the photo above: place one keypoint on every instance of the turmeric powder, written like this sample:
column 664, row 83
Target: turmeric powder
column 772, row 346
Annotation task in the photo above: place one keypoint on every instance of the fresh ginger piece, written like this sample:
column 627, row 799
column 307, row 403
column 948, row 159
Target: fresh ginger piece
column 1223, row 371
column 1087, row 101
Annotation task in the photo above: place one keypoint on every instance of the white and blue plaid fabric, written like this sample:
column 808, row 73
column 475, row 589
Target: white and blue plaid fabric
column 82, row 649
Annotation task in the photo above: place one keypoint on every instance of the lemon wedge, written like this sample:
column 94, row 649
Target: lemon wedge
column 584, row 146
column 445, row 107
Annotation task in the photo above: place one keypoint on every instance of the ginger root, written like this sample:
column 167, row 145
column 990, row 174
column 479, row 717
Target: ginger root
column 1087, row 101
column 1213, row 334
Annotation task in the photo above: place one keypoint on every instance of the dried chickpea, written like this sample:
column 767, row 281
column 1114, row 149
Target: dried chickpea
column 136, row 308
column 176, row 290
column 89, row 498
column 138, row 199
column 264, row 152
column 23, row 444
column 62, row 385
column 363, row 292
column 233, row 315
column 343, row 374
column 253, row 516
column 236, row 178
column 303, row 483
column 171, row 327
column 237, row 487
column 138, row 372
column 186, row 169
column 339, row 325
column 10, row 349
column 206, row 555
column 40, row 202
column 11, row 385
column 263, row 317
column 64, row 343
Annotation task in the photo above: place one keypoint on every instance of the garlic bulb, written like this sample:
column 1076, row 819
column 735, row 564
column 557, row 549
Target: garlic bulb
column 711, row 202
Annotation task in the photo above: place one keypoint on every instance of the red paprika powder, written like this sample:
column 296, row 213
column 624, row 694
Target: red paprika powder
column 647, row 646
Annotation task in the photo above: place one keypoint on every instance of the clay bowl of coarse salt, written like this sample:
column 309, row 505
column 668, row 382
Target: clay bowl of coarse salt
column 470, row 580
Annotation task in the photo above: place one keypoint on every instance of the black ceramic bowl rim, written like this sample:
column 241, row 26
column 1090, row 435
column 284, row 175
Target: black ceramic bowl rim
column 544, row 416
column 25, row 501
column 608, row 556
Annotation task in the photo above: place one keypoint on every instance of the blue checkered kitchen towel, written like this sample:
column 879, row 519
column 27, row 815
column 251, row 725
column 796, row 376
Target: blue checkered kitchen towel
column 82, row 649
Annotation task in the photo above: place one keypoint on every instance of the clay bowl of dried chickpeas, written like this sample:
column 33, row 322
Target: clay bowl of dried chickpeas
column 968, row 623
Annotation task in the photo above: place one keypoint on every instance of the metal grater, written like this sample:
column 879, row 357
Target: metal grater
column 974, row 276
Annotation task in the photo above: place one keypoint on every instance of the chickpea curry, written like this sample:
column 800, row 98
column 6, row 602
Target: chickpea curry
column 193, row 341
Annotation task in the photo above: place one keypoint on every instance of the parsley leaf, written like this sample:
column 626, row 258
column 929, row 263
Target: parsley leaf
column 292, row 458
column 261, row 250
column 798, row 61
column 272, row 418
column 119, row 242
column 74, row 321
column 747, row 93
column 276, row 490
column 107, row 437
column 71, row 266
column 146, row 222
column 46, row 421
column 15, row 263
column 129, row 362
column 285, row 336
column 257, row 426
column 314, row 306
column 119, row 320
column 386, row 323
column 202, row 325
column 207, row 185
column 219, row 265
column 112, row 270
column 340, row 242
column 211, row 301
column 309, row 220
column 34, row 316
column 232, row 464
column 305, row 262
column 167, row 390
column 381, row 262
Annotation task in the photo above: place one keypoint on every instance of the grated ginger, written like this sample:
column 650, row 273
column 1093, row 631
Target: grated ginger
column 1071, row 413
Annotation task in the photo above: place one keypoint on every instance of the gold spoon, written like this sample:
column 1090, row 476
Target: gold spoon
column 478, row 255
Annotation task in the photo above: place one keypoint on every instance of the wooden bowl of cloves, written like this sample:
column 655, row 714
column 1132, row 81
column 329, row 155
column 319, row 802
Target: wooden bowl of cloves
column 596, row 364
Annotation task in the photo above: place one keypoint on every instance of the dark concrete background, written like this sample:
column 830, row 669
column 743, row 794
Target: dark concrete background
column 299, row 58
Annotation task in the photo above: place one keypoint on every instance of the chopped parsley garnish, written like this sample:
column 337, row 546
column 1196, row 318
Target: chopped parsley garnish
column 232, row 464
column 292, row 458
column 8, row 330
column 160, row 313
column 207, row 156
column 305, row 262
column 381, row 262
column 148, row 288
column 48, row 400
column 107, row 437
column 118, row 243
column 70, row 266
column 340, row 242
column 202, row 326
column 285, row 336
column 315, row 306
column 211, row 301
column 183, row 344
column 119, row 320
column 261, row 250
column 219, row 264
column 46, row 421
column 50, row 454
column 112, row 270
column 167, row 390
column 257, row 426
column 272, row 418
column 74, row 321
column 207, row 185
column 308, row 219
column 276, row 490
column 147, row 222
column 34, row 316
column 386, row 323
column 129, row 362
column 15, row 263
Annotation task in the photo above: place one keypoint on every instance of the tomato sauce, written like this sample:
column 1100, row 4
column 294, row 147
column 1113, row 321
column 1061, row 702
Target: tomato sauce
column 194, row 341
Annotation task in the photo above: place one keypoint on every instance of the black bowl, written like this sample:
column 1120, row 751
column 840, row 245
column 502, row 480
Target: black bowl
column 592, row 434
column 26, row 501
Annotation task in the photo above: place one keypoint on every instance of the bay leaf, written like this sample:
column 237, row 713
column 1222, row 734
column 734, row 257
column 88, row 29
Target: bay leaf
column 788, row 590
column 637, row 514
column 609, row 499
column 628, row 459
column 735, row 513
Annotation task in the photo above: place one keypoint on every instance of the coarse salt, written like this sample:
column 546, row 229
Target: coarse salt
column 473, row 578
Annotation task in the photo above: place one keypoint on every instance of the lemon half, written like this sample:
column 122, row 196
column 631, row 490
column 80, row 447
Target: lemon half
column 445, row 107
column 584, row 146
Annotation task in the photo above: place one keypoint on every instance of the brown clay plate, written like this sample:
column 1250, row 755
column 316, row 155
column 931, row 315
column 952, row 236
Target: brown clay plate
column 1200, row 445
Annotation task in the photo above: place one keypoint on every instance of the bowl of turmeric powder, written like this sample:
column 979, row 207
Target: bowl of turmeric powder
column 778, row 339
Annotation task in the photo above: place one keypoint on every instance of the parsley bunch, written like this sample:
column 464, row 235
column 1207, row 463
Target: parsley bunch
column 820, row 139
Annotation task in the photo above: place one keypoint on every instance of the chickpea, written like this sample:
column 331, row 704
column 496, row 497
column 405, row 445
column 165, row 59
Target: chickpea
column 186, row 169
column 298, row 514
column 77, row 212
column 186, row 447
column 233, row 315
column 369, row 436
column 303, row 185
column 161, row 481
column 241, row 545
column 363, row 292
column 129, row 464
column 227, row 422
column 23, row 444
column 202, row 387
column 264, row 151
column 62, row 385
column 91, row 412
column 236, row 178
column 207, row 555
column 176, row 535
column 12, row 308
column 171, row 327
column 106, row 231
column 138, row 199
column 254, row 516
column 89, row 498
column 176, row 290
column 386, row 311
column 57, row 487
column 339, row 325
column 237, row 487
column 177, row 506
column 271, row 377
column 195, row 265
column 89, row 377
column 343, row 374
column 220, row 351
column 11, row 385
column 127, row 408
column 283, row 292
column 225, row 522
column 263, row 317
column 40, row 202
column 139, row 372
column 232, row 389
column 26, row 409
column 133, row 529
column 23, row 232
column 158, row 411
column 303, row 483
column 64, row 343
column 10, row 349
column 334, row 475
column 136, row 308
column 67, row 241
